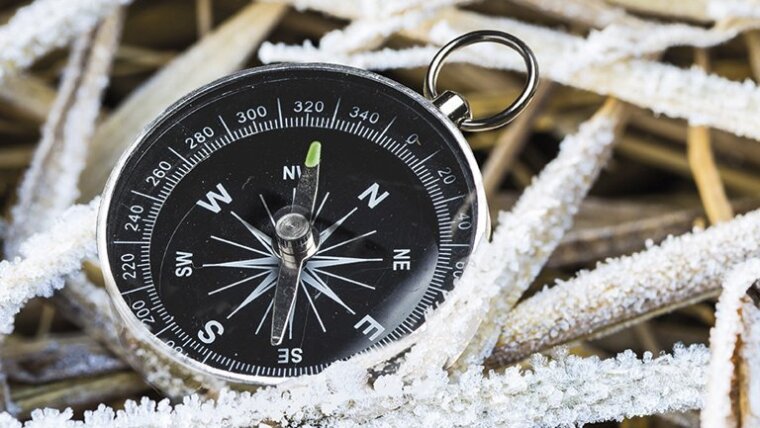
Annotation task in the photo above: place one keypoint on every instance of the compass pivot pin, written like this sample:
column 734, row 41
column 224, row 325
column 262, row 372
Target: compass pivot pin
column 295, row 237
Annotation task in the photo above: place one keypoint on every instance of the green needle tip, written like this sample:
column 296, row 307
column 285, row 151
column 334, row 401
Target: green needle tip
column 314, row 154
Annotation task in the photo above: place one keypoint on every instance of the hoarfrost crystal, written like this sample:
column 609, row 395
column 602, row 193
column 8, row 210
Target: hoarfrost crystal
column 679, row 270
column 567, row 391
column 736, row 316
column 45, row 25
column 45, row 259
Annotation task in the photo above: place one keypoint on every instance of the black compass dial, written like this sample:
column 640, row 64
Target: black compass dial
column 287, row 217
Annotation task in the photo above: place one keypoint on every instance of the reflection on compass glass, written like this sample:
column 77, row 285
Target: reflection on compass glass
column 288, row 217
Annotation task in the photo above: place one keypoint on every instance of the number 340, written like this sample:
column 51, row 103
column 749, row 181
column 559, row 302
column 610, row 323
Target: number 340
column 370, row 116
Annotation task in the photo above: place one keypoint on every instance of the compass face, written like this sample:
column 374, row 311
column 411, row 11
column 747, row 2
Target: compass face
column 287, row 217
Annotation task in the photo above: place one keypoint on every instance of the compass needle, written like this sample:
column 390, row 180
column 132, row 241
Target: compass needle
column 284, row 301
column 305, row 193
column 296, row 243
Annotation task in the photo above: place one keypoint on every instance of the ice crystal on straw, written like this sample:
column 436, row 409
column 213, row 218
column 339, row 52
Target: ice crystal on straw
column 552, row 393
column 692, row 94
column 680, row 269
column 736, row 316
column 45, row 25
column 721, row 9
column 370, row 9
column 49, row 185
column 750, row 359
column 526, row 236
column 45, row 259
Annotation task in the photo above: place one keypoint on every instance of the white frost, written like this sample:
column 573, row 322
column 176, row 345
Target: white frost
column 45, row 259
column 680, row 270
column 370, row 32
column 369, row 9
column 573, row 9
column 525, row 237
column 751, row 360
column 45, row 25
column 618, row 42
column 49, row 185
column 692, row 94
column 562, row 392
column 723, row 9
column 735, row 314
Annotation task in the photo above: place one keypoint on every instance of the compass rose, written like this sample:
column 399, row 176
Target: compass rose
column 297, row 260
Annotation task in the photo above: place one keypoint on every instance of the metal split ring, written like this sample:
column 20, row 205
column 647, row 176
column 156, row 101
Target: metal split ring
column 506, row 115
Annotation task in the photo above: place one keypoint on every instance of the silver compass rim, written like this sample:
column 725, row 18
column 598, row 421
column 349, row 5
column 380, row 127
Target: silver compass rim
column 146, row 337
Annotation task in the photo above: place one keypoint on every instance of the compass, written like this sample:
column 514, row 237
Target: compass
column 290, row 216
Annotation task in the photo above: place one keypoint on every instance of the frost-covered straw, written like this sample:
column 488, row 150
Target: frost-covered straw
column 370, row 9
column 677, row 272
column 45, row 259
column 702, row 10
column 369, row 33
column 49, row 186
column 550, row 393
column 526, row 236
column 750, row 387
column 45, row 25
column 582, row 10
column 691, row 94
column 736, row 317
column 564, row 392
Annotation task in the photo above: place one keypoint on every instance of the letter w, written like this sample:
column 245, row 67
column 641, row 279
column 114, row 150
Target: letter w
column 213, row 198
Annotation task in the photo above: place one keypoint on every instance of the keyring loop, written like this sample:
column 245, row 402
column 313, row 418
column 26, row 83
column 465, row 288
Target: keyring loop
column 522, row 101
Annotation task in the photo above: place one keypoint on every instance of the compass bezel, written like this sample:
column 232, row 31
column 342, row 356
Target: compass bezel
column 133, row 324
